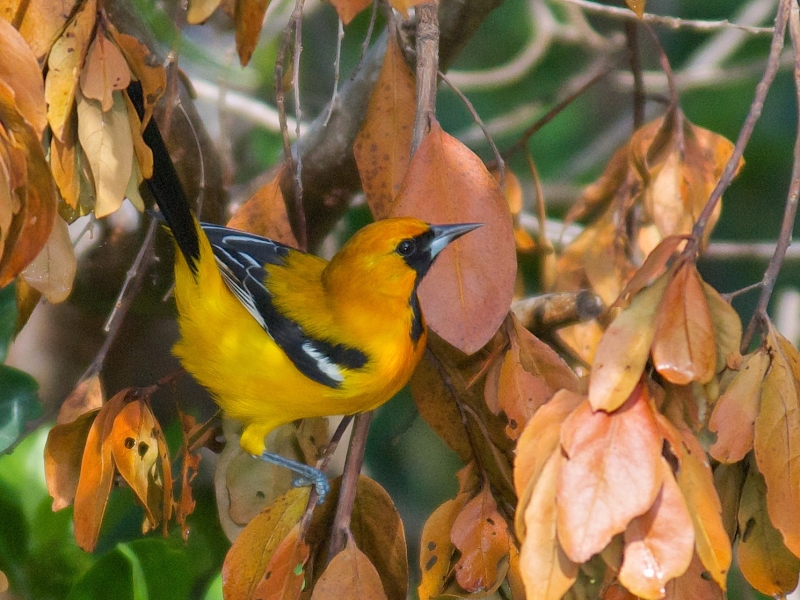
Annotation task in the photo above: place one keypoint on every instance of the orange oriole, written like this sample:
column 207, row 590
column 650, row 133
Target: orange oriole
column 276, row 334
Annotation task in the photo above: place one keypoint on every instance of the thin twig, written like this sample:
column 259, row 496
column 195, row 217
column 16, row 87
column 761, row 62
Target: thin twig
column 339, row 38
column 347, row 493
column 427, row 69
column 635, row 60
column 501, row 166
column 602, row 68
column 671, row 22
column 728, row 297
column 773, row 62
column 368, row 37
column 790, row 212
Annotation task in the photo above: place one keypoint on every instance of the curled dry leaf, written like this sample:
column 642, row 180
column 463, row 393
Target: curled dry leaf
column 659, row 545
column 734, row 415
column 383, row 145
column 248, row 17
column 696, row 481
column 20, row 71
column 777, row 438
column 348, row 9
column 265, row 214
column 285, row 575
column 106, row 140
column 64, row 63
column 87, row 396
column 63, row 453
column 481, row 534
column 248, row 559
column 763, row 558
column 612, row 474
column 64, row 164
column 97, row 473
column 547, row 572
column 468, row 292
column 350, row 574
column 683, row 345
column 134, row 448
column 436, row 548
column 624, row 348
column 146, row 68
column 53, row 270
column 104, row 72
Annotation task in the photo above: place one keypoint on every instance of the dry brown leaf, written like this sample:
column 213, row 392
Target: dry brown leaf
column 694, row 585
column 265, row 214
column 653, row 267
column 612, row 473
column 53, row 270
column 247, row 560
column 763, row 558
column 480, row 533
column 62, row 458
column 146, row 68
column 64, row 64
column 200, row 10
column 728, row 480
column 777, row 438
column 636, row 6
column 547, row 572
column 285, row 576
column 104, row 72
column 39, row 21
column 87, row 396
column 64, row 166
column 383, row 145
column 20, row 71
column 348, row 9
column 727, row 326
column 696, row 481
column 144, row 155
column 519, row 393
column 734, row 416
column 350, row 574
column 248, row 17
column 624, row 349
column 683, row 345
column 436, row 549
column 659, row 545
column 467, row 293
column 106, row 140
column 97, row 473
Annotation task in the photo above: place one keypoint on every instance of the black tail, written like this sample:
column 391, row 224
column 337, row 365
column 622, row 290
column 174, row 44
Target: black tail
column 166, row 187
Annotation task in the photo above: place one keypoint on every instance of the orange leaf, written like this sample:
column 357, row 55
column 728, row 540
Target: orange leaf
column 653, row 267
column 383, row 145
column 248, row 559
column 693, row 585
column 727, row 326
column 285, row 574
column 20, row 71
column 777, row 438
column 97, row 473
column 87, row 396
column 481, row 535
column 659, row 545
column 146, row 68
column 683, row 346
column 519, row 393
column 62, row 458
column 64, row 165
column 39, row 21
column 104, row 72
column 265, row 214
column 348, row 9
column 612, row 474
column 636, row 6
column 248, row 17
column 135, row 450
column 734, row 416
column 541, row 360
column 697, row 485
column 403, row 5
column 436, row 549
column 763, row 558
column 623, row 350
column 468, row 292
column 546, row 571
column 349, row 575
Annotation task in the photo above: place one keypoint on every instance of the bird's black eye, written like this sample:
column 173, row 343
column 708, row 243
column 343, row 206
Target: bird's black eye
column 406, row 247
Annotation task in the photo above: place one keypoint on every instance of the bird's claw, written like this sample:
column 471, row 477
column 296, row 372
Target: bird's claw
column 320, row 484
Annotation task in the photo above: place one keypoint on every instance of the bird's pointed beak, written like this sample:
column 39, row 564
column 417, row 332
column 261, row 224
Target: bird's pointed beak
column 444, row 234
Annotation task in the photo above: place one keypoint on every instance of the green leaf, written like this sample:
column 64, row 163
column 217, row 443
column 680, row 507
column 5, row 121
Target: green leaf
column 19, row 404
column 214, row 589
column 8, row 318
column 111, row 578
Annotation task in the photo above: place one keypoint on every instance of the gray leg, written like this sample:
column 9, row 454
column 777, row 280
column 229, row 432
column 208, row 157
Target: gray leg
column 308, row 475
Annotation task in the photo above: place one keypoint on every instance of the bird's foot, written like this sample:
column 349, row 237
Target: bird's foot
column 308, row 475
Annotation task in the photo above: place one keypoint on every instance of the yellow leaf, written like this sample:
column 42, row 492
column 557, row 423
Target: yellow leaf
column 53, row 270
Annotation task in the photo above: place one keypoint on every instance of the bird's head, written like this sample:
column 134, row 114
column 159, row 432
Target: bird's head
column 396, row 249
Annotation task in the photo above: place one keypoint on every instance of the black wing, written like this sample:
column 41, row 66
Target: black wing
column 240, row 257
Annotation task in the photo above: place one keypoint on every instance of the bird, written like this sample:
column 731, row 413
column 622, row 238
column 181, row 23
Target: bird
column 276, row 334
